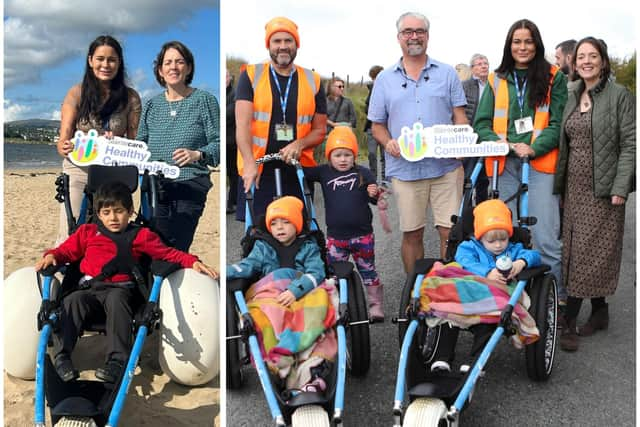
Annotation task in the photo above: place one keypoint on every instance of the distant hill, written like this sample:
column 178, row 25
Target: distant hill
column 32, row 130
column 34, row 123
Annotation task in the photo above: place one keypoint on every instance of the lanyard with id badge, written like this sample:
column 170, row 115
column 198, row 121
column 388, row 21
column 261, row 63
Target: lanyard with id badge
column 523, row 124
column 284, row 131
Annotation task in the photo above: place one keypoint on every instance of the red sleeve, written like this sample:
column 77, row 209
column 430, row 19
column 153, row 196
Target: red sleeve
column 74, row 248
column 149, row 243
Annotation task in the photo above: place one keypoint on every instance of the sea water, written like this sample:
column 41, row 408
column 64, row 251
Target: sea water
column 31, row 156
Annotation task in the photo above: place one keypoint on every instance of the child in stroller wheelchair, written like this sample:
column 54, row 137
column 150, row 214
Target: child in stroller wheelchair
column 109, row 252
column 481, row 255
column 289, row 265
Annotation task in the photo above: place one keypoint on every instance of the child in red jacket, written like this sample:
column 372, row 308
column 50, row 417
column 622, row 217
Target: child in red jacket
column 96, row 247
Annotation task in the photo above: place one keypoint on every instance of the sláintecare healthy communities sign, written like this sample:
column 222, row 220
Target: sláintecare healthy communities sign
column 92, row 149
column 445, row 141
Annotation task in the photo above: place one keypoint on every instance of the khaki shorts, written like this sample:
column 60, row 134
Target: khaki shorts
column 442, row 194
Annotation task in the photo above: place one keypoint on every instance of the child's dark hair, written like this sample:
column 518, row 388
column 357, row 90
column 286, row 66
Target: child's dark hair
column 112, row 193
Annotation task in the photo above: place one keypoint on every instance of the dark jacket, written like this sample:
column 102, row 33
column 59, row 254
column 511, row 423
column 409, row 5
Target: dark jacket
column 613, row 130
column 263, row 259
column 231, row 115
column 471, row 89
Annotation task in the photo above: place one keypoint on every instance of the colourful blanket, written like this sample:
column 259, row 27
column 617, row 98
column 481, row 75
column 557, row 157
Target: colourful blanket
column 449, row 293
column 296, row 338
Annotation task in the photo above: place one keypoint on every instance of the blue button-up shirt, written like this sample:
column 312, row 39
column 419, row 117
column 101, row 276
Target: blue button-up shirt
column 397, row 100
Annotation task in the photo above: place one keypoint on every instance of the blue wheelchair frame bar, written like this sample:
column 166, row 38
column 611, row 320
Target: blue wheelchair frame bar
column 261, row 368
column 118, row 404
column 39, row 417
column 468, row 386
column 338, row 405
column 404, row 352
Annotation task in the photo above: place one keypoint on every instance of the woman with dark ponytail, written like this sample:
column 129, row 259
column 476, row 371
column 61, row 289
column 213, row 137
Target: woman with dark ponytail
column 522, row 106
column 102, row 102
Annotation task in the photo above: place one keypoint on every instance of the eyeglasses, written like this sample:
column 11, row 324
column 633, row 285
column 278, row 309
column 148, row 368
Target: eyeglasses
column 339, row 86
column 420, row 32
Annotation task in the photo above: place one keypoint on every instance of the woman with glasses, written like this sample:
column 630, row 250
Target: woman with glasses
column 340, row 109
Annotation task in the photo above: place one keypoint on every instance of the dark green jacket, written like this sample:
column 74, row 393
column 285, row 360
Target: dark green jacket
column 548, row 138
column 613, row 130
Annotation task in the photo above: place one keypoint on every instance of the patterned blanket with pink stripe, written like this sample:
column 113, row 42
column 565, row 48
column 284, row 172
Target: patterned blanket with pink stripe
column 455, row 295
column 296, row 338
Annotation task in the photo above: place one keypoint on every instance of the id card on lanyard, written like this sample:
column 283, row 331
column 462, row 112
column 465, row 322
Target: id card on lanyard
column 523, row 124
column 284, row 131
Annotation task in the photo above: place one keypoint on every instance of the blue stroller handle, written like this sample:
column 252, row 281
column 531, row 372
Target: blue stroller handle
column 308, row 204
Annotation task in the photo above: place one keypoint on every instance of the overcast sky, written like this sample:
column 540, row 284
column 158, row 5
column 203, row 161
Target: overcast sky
column 46, row 42
column 348, row 37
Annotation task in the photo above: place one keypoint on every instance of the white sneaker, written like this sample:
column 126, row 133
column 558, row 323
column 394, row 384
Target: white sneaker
column 440, row 366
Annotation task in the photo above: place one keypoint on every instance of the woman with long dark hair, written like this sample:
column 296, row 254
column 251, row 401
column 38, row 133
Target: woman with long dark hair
column 102, row 102
column 596, row 173
column 522, row 106
column 181, row 125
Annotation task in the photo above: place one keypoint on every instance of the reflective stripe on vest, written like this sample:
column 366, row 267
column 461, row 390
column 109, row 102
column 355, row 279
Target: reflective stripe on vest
column 545, row 163
column 308, row 87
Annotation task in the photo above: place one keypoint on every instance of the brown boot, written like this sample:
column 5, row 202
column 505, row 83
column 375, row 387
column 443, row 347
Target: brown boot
column 569, row 339
column 374, row 295
column 598, row 320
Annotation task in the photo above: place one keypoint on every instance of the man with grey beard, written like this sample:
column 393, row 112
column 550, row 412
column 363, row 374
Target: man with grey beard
column 418, row 89
column 280, row 108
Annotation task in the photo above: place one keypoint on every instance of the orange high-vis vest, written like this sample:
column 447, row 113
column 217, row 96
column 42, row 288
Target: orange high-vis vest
column 308, row 87
column 545, row 163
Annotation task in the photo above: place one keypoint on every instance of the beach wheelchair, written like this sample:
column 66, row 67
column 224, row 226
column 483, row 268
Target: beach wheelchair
column 89, row 402
column 296, row 407
column 437, row 398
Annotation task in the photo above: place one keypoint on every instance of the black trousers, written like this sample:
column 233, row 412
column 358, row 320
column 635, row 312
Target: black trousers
column 180, row 209
column 110, row 305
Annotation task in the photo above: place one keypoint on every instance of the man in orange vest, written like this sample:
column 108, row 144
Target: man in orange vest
column 280, row 108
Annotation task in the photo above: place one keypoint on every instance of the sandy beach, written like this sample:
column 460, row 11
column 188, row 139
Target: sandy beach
column 30, row 225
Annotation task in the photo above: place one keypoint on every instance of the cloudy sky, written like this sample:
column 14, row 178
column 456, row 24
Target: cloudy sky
column 348, row 37
column 46, row 42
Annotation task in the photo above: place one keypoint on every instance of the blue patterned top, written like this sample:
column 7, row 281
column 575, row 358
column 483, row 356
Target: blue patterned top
column 192, row 122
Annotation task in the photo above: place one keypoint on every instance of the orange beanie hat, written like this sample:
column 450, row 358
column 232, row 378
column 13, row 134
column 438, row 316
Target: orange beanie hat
column 341, row 137
column 491, row 215
column 287, row 207
column 281, row 24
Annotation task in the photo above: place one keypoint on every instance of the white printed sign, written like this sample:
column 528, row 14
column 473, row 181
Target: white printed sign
column 445, row 141
column 92, row 149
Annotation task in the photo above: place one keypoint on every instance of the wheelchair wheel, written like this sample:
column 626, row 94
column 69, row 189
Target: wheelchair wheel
column 422, row 266
column 358, row 344
column 426, row 412
column 234, row 346
column 310, row 416
column 544, row 309
column 405, row 297
column 76, row 422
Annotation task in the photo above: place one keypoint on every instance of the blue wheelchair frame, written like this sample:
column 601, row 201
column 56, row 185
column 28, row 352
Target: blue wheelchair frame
column 47, row 319
column 254, row 347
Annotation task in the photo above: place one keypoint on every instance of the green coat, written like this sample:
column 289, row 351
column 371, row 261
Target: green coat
column 613, row 130
column 548, row 138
